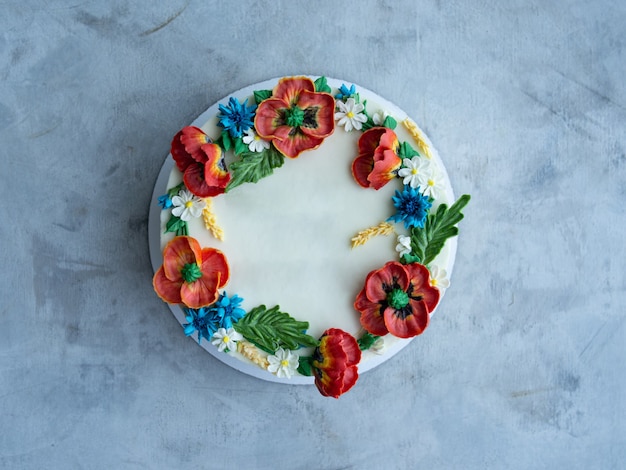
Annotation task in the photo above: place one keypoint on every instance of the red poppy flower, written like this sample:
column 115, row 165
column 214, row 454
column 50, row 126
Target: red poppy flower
column 378, row 160
column 296, row 118
column 190, row 274
column 397, row 299
column 335, row 362
column 200, row 161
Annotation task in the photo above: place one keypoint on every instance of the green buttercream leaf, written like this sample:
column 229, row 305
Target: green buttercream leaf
column 176, row 225
column 366, row 341
column 305, row 366
column 409, row 258
column 406, row 151
column 226, row 141
column 261, row 95
column 240, row 147
column 321, row 85
column 175, row 190
column 253, row 166
column 427, row 242
column 390, row 123
column 270, row 329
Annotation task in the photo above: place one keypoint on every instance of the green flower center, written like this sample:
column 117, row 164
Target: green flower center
column 398, row 299
column 294, row 117
column 191, row 272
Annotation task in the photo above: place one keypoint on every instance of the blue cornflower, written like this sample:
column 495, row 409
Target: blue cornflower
column 228, row 310
column 345, row 93
column 207, row 320
column 203, row 320
column 236, row 118
column 165, row 201
column 412, row 207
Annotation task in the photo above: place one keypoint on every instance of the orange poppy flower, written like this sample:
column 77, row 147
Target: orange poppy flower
column 378, row 161
column 190, row 274
column 296, row 117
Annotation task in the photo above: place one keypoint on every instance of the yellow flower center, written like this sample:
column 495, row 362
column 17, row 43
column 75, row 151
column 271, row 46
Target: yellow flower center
column 256, row 137
column 225, row 339
column 414, row 171
column 431, row 183
column 188, row 204
column 433, row 282
column 350, row 114
column 284, row 363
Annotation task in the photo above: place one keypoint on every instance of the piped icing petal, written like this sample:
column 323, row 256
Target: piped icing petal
column 362, row 166
column 382, row 281
column 167, row 290
column 292, row 143
column 269, row 117
column 371, row 315
column 421, row 285
column 318, row 114
column 214, row 261
column 289, row 89
column 385, row 166
column 407, row 322
column 201, row 292
column 215, row 174
column 185, row 147
column 179, row 252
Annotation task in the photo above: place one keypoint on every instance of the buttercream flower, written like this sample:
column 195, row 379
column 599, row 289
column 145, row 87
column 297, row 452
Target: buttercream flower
column 283, row 363
column 165, row 201
column 202, row 321
column 226, row 339
column 236, row 118
column 254, row 142
column 296, row 117
column 397, row 299
column 415, row 171
column 335, row 362
column 412, row 207
column 207, row 320
column 378, row 160
column 190, row 274
column 345, row 92
column 439, row 277
column 404, row 245
column 350, row 115
column 228, row 310
column 432, row 186
column 379, row 118
column 200, row 161
column 187, row 205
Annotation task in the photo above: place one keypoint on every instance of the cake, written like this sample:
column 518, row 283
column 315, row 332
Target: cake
column 303, row 230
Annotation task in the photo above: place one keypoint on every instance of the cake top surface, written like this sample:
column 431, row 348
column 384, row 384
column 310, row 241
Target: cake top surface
column 291, row 276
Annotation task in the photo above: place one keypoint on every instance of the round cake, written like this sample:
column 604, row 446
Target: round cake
column 303, row 230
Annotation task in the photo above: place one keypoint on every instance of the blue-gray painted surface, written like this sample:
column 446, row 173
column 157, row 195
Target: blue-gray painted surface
column 523, row 367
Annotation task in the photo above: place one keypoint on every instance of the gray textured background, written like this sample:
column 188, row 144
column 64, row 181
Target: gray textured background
column 524, row 365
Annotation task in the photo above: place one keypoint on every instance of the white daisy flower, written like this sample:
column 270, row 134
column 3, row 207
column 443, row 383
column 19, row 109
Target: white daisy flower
column 283, row 363
column 350, row 115
column 187, row 205
column 415, row 171
column 254, row 142
column 439, row 277
column 432, row 185
column 226, row 338
column 404, row 245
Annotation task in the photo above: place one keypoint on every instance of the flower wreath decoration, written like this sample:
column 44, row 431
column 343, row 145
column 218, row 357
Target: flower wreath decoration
column 294, row 117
